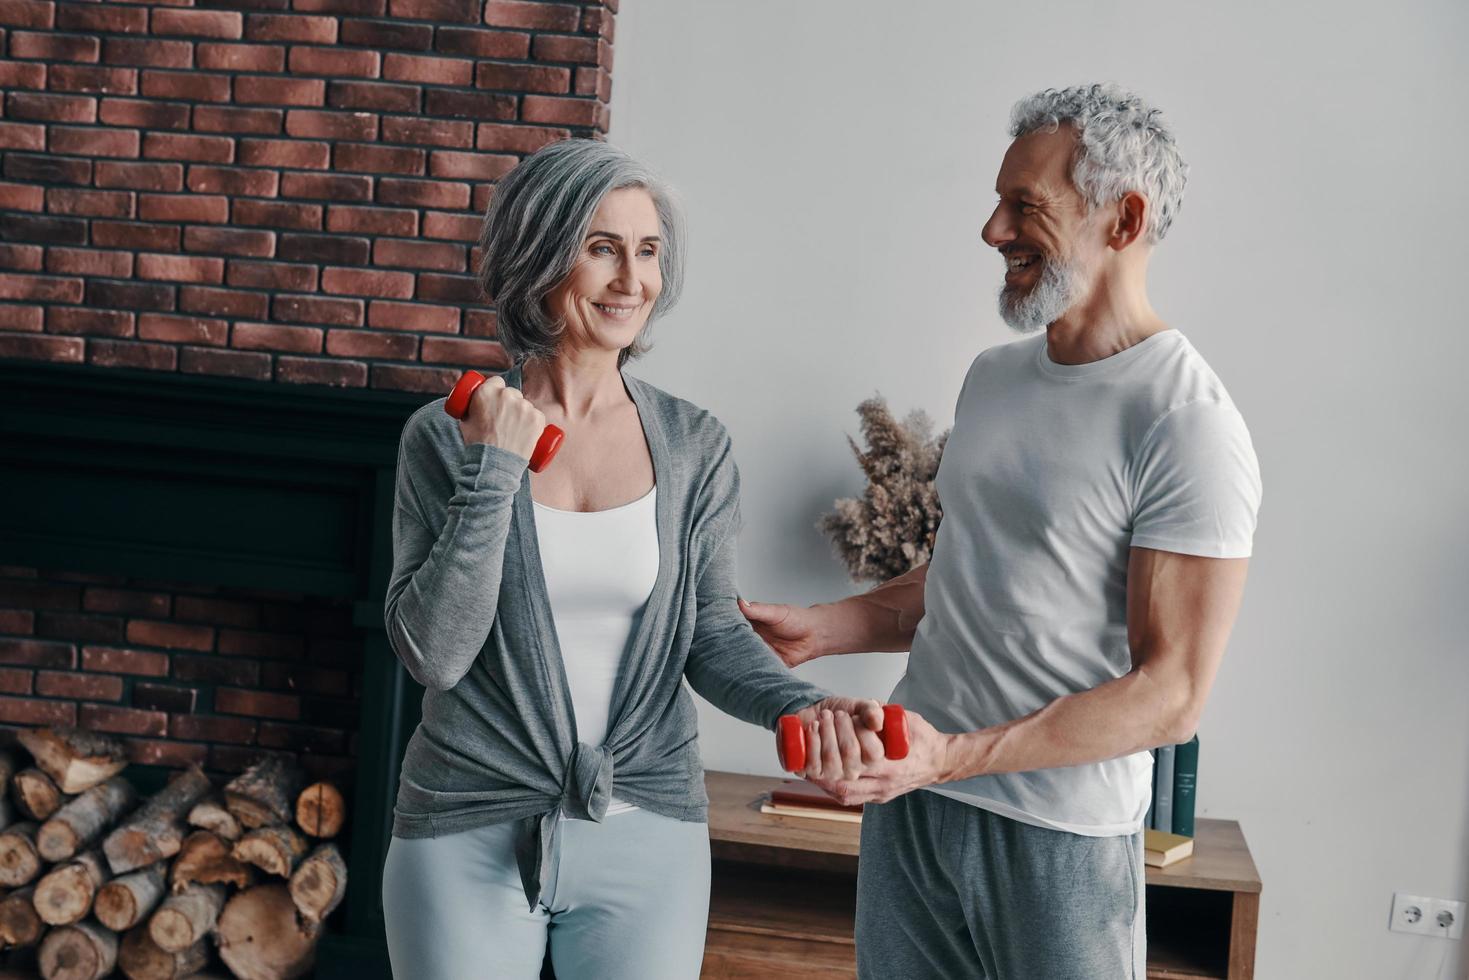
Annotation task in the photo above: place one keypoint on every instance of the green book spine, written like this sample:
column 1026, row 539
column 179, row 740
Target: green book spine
column 1152, row 793
column 1185, row 786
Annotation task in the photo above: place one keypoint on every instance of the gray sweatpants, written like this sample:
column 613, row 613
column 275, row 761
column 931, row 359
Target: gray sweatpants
column 627, row 899
column 948, row 891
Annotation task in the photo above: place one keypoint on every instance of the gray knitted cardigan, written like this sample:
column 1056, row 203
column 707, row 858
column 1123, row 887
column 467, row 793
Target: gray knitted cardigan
column 467, row 614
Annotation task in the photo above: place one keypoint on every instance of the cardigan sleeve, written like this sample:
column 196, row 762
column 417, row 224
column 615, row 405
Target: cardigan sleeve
column 728, row 664
column 451, row 519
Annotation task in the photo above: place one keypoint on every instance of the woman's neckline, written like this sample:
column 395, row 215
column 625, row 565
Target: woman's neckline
column 648, row 497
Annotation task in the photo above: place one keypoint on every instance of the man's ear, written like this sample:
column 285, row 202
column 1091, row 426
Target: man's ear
column 1129, row 221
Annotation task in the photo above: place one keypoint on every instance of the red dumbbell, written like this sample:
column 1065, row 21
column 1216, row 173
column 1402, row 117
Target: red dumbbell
column 458, row 404
column 790, row 738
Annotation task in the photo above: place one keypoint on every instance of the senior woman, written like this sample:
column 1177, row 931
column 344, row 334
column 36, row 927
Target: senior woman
column 553, row 791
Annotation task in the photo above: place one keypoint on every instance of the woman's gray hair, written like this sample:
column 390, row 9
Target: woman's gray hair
column 1124, row 145
column 534, row 229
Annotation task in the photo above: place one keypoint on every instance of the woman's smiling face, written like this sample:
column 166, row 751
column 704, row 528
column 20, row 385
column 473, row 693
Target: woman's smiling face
column 606, row 298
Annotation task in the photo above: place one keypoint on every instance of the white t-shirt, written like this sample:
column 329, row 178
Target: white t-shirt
column 600, row 567
column 1052, row 472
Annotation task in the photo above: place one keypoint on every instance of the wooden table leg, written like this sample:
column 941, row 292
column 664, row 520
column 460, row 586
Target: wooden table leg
column 1243, row 926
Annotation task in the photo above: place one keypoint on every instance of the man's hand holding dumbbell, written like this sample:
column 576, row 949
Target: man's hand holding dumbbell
column 845, row 754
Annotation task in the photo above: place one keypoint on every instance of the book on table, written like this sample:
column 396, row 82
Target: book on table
column 1161, row 849
column 799, row 798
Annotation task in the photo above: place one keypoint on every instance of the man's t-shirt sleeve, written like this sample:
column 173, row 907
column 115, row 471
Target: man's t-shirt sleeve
column 1196, row 483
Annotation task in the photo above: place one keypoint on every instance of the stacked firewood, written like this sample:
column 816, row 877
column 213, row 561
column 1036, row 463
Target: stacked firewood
column 94, row 879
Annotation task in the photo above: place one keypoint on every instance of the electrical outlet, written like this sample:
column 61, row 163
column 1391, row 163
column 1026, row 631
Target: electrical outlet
column 1410, row 914
column 1445, row 918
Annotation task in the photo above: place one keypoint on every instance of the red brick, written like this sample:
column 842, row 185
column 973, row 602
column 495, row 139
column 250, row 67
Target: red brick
column 106, row 600
column 371, row 221
column 263, row 704
column 578, row 50
column 96, row 323
column 332, row 371
column 141, row 176
column 287, row 27
column 22, row 136
column 271, row 275
column 231, row 119
column 147, row 52
column 233, row 181
column 385, row 35
column 14, row 681
column 329, row 187
column 38, row 653
column 440, row 11
column 21, row 197
column 564, row 112
column 380, row 96
column 47, row 229
column 480, row 323
column 397, row 377
column 469, row 166
column 223, row 302
column 231, row 241
column 211, row 728
column 143, row 114
column 303, row 154
column 437, row 132
column 241, row 57
column 418, row 254
column 164, row 697
column 368, row 344
column 265, row 336
column 522, row 78
column 446, row 350
column 431, row 71
column 198, row 86
column 44, row 107
column 28, row 258
column 338, row 249
column 225, row 363
column 183, row 329
column 354, row 8
column 180, row 268
column 422, row 193
column 336, row 62
column 94, row 80
column 88, row 262
column 135, row 235
column 92, row 687
column 151, row 752
column 442, row 288
column 174, row 636
column 20, row 74
column 176, row 146
column 198, row 23
column 375, row 158
column 29, row 319
column 184, row 207
column 131, row 295
column 470, row 105
column 130, row 354
column 481, row 43
column 125, row 721
column 45, row 289
column 94, row 142
column 454, row 227
column 24, row 711
column 365, row 282
column 69, row 350
column 54, row 47
column 104, row 17
column 95, row 204
column 275, row 90
column 278, row 214
column 595, row 20
column 17, row 621
column 331, row 125
column 302, row 738
column 217, row 670
column 27, row 13
column 534, row 16
column 77, row 626
column 47, row 169
column 318, row 309
column 594, row 81
column 517, row 139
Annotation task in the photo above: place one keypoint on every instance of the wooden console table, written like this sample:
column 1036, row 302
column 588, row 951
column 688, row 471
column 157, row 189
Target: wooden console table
column 784, row 894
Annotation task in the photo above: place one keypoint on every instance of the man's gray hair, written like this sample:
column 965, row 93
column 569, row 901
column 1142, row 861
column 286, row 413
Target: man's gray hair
column 534, row 229
column 1124, row 145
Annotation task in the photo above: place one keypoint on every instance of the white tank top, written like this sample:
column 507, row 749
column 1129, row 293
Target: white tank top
column 600, row 567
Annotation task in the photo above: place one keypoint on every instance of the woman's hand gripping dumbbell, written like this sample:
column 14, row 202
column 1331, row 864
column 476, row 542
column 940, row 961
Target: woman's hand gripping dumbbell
column 502, row 417
column 790, row 738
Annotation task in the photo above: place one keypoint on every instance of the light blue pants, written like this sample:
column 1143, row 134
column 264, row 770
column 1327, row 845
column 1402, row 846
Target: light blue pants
column 626, row 899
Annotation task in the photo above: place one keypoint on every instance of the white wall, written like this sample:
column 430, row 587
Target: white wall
column 837, row 161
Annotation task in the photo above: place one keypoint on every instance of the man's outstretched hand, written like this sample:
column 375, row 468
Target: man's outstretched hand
column 788, row 630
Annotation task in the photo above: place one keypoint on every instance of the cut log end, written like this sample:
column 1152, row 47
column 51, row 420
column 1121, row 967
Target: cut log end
column 321, row 810
column 262, row 938
column 84, row 951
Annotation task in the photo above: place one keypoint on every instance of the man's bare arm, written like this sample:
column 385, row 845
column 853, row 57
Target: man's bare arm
column 882, row 619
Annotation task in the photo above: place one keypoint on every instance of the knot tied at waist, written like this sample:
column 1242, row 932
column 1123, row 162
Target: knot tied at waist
column 585, row 795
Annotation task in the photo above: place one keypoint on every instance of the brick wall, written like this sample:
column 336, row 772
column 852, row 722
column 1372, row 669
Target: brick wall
column 281, row 190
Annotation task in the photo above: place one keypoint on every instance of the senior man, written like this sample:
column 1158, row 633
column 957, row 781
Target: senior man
column 1099, row 492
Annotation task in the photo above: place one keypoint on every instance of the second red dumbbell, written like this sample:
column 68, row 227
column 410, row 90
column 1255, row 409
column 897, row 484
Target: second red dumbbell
column 458, row 403
column 790, row 738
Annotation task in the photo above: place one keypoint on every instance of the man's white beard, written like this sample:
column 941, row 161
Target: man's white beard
column 1061, row 286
